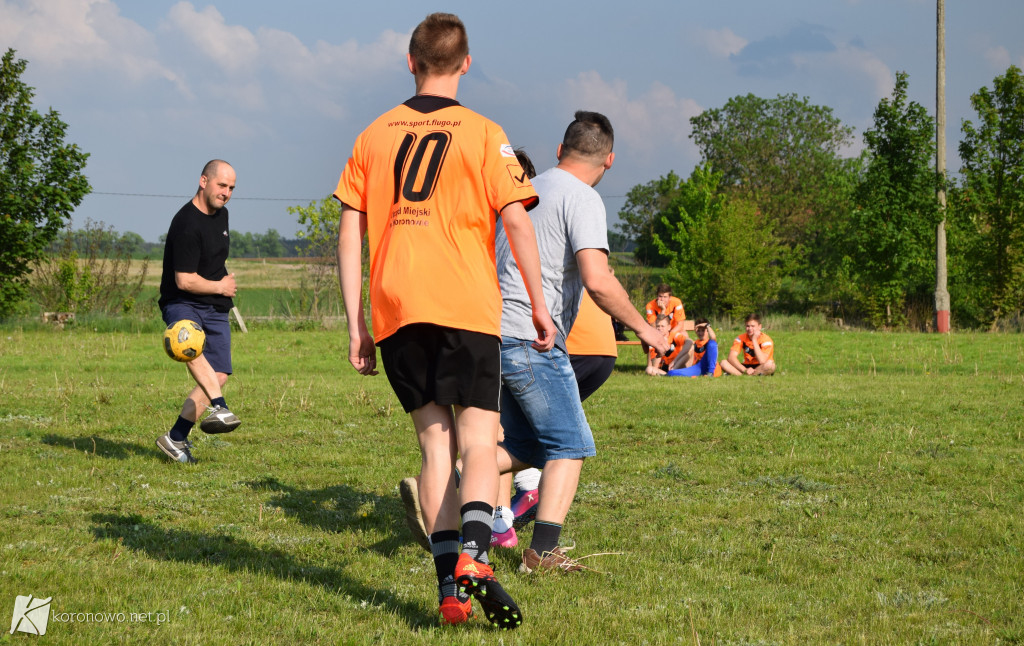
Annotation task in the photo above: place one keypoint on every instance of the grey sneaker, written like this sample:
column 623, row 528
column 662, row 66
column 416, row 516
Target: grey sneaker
column 413, row 513
column 220, row 420
column 177, row 451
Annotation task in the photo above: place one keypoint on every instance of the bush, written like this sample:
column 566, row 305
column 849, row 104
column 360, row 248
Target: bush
column 97, row 280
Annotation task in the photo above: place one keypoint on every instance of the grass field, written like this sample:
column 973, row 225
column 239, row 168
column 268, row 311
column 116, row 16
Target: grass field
column 872, row 492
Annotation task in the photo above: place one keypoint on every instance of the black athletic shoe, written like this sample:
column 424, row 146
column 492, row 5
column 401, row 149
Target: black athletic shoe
column 477, row 579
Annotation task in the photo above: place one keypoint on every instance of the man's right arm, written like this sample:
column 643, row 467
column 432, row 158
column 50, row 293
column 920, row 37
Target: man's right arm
column 193, row 283
column 609, row 295
column 351, row 229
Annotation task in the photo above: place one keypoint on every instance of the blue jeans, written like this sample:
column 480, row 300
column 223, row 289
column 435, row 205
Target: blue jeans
column 540, row 406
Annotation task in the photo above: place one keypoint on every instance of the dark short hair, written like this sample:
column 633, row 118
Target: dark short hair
column 589, row 135
column 752, row 317
column 663, row 318
column 699, row 322
column 663, row 288
column 526, row 163
column 439, row 44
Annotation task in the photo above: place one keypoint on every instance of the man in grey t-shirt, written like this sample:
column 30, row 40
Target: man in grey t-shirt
column 541, row 413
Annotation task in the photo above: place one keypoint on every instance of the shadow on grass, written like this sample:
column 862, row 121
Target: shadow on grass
column 238, row 555
column 98, row 446
column 340, row 508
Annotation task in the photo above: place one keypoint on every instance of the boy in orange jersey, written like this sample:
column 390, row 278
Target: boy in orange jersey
column 423, row 182
column 668, row 305
column 703, row 359
column 679, row 349
column 757, row 348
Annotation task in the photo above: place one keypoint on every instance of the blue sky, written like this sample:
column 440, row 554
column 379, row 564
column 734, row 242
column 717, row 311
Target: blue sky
column 153, row 89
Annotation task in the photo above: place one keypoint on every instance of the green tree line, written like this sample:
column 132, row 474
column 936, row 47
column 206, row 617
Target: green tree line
column 777, row 217
column 130, row 244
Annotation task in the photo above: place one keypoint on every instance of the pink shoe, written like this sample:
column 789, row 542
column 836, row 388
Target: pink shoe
column 505, row 539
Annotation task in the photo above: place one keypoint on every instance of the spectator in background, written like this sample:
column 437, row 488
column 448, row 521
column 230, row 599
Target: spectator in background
column 668, row 305
column 757, row 348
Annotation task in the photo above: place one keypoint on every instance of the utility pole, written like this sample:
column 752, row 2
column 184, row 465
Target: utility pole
column 941, row 293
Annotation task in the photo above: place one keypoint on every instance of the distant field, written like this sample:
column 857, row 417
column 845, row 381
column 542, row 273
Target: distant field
column 872, row 492
column 249, row 272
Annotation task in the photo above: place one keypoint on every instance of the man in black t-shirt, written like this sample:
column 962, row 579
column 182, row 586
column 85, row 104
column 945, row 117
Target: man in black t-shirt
column 195, row 285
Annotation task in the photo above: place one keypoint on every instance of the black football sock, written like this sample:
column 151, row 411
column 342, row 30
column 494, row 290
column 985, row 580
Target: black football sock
column 218, row 401
column 182, row 427
column 477, row 522
column 545, row 537
column 444, row 546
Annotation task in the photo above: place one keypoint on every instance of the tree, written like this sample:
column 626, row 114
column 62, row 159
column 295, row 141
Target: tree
column 90, row 271
column 320, row 243
column 647, row 206
column 269, row 245
column 782, row 154
column 992, row 155
column 242, row 244
column 891, row 233
column 41, row 180
column 724, row 254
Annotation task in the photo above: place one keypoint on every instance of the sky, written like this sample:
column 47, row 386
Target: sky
column 153, row 89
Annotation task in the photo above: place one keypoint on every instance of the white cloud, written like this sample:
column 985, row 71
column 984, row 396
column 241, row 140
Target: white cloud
column 999, row 57
column 232, row 48
column 849, row 62
column 268, row 68
column 77, row 35
column 198, row 52
column 647, row 124
column 722, row 42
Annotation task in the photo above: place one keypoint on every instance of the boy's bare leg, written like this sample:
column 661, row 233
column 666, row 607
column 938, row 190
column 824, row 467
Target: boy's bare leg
column 730, row 369
column 438, row 498
column 477, row 431
column 505, row 490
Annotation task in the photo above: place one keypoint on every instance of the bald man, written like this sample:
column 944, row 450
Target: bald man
column 195, row 285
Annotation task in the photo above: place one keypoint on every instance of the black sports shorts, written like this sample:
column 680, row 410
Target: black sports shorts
column 591, row 371
column 450, row 367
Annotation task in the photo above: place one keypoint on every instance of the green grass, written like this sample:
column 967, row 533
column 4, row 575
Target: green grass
column 872, row 492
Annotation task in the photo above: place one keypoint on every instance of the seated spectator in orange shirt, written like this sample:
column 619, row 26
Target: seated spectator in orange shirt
column 678, row 350
column 758, row 351
column 703, row 357
column 668, row 305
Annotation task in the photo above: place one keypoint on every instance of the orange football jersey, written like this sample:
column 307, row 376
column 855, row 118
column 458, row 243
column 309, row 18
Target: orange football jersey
column 430, row 174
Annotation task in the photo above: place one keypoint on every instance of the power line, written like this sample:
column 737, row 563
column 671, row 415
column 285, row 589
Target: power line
column 256, row 199
column 183, row 197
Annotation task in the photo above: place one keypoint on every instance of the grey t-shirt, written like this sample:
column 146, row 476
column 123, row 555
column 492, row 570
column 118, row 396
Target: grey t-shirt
column 570, row 217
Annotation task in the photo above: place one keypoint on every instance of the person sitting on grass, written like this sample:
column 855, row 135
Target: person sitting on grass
column 665, row 304
column 678, row 349
column 758, row 351
column 704, row 355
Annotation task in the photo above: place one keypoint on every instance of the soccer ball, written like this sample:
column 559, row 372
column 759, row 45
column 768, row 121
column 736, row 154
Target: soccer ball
column 184, row 340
